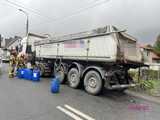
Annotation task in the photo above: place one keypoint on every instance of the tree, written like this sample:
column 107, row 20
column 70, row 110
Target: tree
column 157, row 44
column 149, row 46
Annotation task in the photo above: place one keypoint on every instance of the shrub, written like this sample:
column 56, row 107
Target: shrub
column 145, row 74
column 153, row 74
column 146, row 84
column 134, row 75
column 147, row 79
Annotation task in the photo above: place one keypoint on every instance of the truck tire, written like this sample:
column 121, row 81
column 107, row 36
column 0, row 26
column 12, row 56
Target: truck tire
column 42, row 69
column 61, row 74
column 93, row 82
column 73, row 78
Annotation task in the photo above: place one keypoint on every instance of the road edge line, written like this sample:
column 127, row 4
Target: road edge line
column 70, row 114
column 78, row 112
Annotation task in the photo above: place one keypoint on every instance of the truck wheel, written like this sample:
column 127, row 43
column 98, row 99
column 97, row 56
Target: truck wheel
column 60, row 73
column 93, row 82
column 73, row 78
column 42, row 69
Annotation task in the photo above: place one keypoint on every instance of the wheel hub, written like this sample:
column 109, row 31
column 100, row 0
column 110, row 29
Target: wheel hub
column 73, row 78
column 92, row 82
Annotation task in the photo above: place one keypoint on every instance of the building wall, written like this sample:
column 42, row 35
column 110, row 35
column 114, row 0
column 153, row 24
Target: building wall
column 148, row 57
column 154, row 66
column 7, row 41
column 31, row 39
column 14, row 45
column 3, row 43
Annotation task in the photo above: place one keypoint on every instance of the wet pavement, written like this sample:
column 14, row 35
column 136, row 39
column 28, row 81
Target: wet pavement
column 26, row 100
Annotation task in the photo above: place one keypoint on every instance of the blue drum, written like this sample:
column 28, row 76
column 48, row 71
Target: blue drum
column 28, row 74
column 36, row 75
column 55, row 85
column 20, row 73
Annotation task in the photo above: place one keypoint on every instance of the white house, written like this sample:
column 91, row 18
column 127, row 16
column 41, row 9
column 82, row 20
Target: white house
column 31, row 38
column 150, row 57
column 14, row 43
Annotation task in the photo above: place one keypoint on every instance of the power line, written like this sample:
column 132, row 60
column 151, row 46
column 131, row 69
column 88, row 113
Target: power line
column 28, row 9
column 78, row 12
column 36, row 12
column 95, row 4
column 87, row 8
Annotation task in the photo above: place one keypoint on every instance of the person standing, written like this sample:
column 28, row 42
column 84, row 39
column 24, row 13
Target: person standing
column 21, row 61
column 12, row 63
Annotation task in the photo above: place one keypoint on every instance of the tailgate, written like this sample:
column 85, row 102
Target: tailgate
column 129, row 49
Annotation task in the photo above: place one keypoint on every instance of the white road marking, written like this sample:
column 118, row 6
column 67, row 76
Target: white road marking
column 79, row 112
column 72, row 115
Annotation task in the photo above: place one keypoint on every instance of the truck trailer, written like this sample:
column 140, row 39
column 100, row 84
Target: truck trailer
column 93, row 59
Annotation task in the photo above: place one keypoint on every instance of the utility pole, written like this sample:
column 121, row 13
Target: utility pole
column 27, row 28
column 27, row 21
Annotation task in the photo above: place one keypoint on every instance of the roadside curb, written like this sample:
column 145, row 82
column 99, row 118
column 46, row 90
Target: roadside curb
column 142, row 96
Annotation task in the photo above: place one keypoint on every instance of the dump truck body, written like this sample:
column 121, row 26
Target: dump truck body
column 111, row 46
column 97, row 58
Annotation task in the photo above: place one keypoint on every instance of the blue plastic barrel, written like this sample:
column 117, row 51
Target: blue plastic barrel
column 28, row 74
column 55, row 85
column 22, row 72
column 19, row 73
column 36, row 75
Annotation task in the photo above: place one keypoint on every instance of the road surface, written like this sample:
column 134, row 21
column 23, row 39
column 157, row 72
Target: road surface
column 27, row 100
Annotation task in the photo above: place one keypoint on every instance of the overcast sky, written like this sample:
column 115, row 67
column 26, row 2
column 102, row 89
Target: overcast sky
column 141, row 18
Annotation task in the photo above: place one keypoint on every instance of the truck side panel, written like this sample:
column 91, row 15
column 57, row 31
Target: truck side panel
column 103, row 48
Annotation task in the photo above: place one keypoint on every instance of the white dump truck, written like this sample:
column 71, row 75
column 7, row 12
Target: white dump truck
column 93, row 59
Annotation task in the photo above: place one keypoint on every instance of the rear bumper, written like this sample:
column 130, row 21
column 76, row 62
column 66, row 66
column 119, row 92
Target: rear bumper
column 114, row 87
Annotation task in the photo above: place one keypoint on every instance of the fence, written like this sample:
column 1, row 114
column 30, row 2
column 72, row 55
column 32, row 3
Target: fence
column 151, row 73
column 147, row 73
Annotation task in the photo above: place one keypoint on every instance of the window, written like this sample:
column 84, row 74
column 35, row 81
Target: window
column 155, row 61
column 147, row 53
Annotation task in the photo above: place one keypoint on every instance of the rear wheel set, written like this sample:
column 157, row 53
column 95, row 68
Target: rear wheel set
column 93, row 83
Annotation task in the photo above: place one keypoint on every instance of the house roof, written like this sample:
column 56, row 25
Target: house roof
column 155, row 56
column 29, row 34
column 36, row 35
column 13, row 40
column 145, row 47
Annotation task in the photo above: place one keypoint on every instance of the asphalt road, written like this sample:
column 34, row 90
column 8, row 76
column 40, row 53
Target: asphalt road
column 27, row 100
